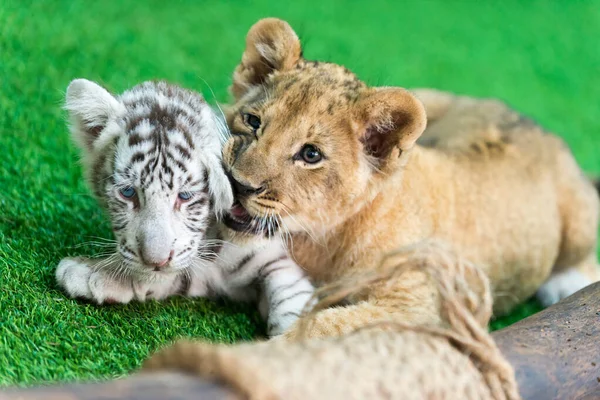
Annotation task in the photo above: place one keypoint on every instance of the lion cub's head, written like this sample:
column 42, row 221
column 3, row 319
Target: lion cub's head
column 310, row 141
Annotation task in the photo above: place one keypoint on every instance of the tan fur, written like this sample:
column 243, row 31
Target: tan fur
column 505, row 194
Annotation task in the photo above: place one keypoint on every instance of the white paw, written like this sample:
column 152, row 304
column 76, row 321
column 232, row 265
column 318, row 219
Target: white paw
column 73, row 275
column 561, row 285
column 79, row 280
column 108, row 290
column 281, row 319
column 157, row 289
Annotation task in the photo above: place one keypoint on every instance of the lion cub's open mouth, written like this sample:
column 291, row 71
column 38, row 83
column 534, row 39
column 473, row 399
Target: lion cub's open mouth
column 240, row 220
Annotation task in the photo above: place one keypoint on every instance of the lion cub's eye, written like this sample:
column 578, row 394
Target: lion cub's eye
column 252, row 121
column 127, row 192
column 310, row 154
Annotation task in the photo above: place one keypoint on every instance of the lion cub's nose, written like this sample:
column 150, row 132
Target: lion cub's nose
column 241, row 189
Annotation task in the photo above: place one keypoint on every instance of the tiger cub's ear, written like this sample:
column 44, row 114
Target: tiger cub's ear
column 219, row 186
column 271, row 45
column 90, row 108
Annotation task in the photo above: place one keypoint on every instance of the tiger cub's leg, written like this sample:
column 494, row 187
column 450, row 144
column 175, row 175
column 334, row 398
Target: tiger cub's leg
column 101, row 281
column 93, row 280
column 286, row 291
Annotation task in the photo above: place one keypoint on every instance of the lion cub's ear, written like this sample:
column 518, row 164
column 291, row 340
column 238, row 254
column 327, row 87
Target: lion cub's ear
column 271, row 45
column 390, row 122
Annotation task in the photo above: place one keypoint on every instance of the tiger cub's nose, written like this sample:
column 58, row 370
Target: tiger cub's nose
column 158, row 263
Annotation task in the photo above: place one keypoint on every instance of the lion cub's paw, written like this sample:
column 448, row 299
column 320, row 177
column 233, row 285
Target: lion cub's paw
column 560, row 286
column 77, row 278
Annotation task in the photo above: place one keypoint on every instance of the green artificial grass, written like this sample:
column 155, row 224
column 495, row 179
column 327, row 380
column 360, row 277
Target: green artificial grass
column 540, row 56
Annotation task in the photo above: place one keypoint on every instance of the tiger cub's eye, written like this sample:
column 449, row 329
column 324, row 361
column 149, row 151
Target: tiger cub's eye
column 127, row 192
column 184, row 196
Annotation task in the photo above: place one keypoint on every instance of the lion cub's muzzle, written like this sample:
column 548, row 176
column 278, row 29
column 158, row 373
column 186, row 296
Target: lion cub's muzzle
column 242, row 190
column 239, row 219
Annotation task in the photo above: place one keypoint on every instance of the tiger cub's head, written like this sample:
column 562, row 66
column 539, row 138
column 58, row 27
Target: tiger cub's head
column 152, row 158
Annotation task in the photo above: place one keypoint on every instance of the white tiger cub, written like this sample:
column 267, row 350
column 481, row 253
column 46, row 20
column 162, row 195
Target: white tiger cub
column 152, row 158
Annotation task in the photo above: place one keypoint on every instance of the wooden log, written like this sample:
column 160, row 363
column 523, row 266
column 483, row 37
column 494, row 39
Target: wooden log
column 160, row 386
column 555, row 353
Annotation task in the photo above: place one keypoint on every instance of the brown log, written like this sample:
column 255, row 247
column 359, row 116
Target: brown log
column 163, row 386
column 555, row 353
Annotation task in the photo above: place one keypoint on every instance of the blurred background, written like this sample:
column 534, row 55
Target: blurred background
column 541, row 57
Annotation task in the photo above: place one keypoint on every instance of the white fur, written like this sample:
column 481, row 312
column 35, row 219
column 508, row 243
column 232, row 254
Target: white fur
column 151, row 227
column 73, row 275
column 90, row 105
column 561, row 285
column 157, row 228
column 97, row 281
column 211, row 158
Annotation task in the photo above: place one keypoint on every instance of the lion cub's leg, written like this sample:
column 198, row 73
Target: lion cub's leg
column 339, row 321
column 411, row 300
column 565, row 282
column 579, row 204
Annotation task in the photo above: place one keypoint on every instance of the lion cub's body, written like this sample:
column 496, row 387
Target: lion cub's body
column 501, row 192
column 507, row 196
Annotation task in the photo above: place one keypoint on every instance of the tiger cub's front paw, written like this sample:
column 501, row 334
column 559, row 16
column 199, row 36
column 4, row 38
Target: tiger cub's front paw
column 80, row 281
column 73, row 275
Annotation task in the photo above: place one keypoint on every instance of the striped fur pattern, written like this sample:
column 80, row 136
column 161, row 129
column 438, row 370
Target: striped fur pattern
column 152, row 158
column 261, row 272
column 281, row 287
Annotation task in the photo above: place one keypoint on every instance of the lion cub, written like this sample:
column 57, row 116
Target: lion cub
column 340, row 165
